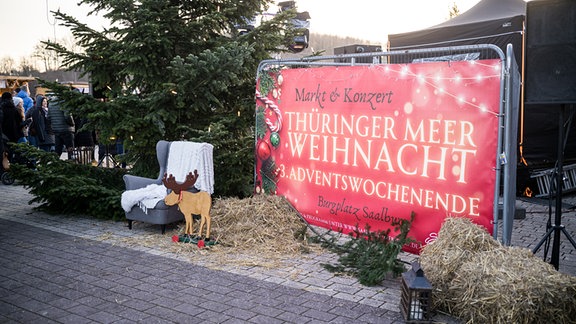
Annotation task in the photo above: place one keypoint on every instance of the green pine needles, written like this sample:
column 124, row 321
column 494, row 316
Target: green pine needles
column 64, row 187
column 370, row 256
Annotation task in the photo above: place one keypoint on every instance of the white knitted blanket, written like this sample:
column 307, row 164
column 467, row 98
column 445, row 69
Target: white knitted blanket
column 145, row 198
column 183, row 158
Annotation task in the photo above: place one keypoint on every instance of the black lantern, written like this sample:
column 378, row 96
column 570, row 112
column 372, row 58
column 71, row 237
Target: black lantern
column 416, row 302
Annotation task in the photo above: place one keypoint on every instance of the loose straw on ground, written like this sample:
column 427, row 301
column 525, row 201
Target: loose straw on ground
column 255, row 231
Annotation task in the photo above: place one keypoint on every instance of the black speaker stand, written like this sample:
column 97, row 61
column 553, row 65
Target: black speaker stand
column 557, row 227
column 107, row 157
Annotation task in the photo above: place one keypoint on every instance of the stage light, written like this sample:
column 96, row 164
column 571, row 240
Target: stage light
column 301, row 23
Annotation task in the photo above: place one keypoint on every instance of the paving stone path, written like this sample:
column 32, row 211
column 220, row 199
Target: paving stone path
column 58, row 269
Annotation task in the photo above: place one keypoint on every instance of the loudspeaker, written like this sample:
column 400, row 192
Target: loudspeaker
column 551, row 51
column 354, row 49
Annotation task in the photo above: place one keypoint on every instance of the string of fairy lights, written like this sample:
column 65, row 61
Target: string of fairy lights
column 434, row 80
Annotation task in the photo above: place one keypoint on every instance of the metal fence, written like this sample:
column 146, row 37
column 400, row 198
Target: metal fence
column 505, row 157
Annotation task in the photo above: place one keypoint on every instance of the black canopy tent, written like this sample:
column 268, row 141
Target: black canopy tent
column 485, row 12
column 498, row 22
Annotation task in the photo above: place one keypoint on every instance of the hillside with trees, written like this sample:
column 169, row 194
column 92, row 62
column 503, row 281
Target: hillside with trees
column 327, row 43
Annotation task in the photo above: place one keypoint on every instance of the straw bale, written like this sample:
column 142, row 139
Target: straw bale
column 510, row 284
column 261, row 223
column 458, row 239
column 493, row 283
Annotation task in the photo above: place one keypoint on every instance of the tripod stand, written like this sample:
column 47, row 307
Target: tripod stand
column 558, row 228
column 107, row 159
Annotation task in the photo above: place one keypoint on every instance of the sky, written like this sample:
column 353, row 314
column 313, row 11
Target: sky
column 371, row 20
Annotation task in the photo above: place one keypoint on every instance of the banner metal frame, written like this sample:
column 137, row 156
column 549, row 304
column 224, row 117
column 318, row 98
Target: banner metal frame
column 505, row 156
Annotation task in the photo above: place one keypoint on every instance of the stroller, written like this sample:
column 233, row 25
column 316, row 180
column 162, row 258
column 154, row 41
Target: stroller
column 6, row 178
column 9, row 157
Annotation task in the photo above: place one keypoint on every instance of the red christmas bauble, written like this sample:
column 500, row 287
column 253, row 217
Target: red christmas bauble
column 263, row 150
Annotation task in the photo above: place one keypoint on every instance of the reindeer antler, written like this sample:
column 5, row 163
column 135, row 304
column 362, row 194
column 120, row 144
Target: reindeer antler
column 170, row 182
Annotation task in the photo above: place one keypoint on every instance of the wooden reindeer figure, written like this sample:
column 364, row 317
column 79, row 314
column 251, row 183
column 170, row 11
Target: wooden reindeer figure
column 189, row 203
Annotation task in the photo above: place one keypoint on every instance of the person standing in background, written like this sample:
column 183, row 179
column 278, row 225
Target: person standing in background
column 24, row 94
column 12, row 121
column 18, row 103
column 32, row 138
column 41, row 134
column 84, row 142
column 63, row 127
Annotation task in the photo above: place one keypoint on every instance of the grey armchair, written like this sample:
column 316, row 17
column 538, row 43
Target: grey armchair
column 160, row 214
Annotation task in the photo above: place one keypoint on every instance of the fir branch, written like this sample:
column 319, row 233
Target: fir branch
column 370, row 256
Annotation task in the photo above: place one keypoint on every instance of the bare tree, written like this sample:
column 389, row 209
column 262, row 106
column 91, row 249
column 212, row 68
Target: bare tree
column 70, row 44
column 27, row 66
column 48, row 58
column 7, row 65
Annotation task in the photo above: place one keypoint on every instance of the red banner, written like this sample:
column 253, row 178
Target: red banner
column 356, row 145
